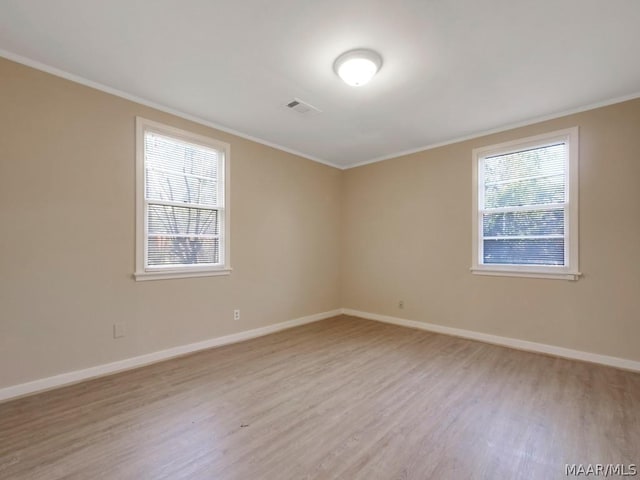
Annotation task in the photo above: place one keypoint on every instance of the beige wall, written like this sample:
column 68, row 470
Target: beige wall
column 306, row 238
column 407, row 235
column 67, row 241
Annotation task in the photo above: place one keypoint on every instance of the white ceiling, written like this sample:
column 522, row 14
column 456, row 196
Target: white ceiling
column 452, row 69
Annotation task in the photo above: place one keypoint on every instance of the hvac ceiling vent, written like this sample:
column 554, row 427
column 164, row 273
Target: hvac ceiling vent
column 301, row 107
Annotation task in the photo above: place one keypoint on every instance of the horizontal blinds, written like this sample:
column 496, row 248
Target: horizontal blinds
column 183, row 202
column 169, row 220
column 537, row 251
column 524, row 207
column 179, row 156
column 170, row 250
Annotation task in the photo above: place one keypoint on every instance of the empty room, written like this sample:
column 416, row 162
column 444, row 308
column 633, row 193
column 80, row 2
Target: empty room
column 287, row 239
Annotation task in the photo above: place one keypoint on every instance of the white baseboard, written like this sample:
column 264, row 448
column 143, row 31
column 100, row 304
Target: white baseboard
column 621, row 363
column 76, row 376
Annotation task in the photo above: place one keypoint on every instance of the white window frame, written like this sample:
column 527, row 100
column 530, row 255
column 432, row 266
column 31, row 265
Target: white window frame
column 569, row 271
column 142, row 270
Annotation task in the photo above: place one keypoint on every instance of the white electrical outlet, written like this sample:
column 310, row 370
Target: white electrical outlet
column 118, row 330
column 236, row 315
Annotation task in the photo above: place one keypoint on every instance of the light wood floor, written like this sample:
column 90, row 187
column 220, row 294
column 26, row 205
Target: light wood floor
column 342, row 398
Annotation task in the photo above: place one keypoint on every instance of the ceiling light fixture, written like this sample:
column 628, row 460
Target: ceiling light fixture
column 357, row 67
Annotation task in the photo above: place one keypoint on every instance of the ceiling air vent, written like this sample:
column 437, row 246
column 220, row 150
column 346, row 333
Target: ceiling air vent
column 301, row 107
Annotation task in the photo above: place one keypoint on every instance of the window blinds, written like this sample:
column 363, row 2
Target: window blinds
column 183, row 202
column 524, row 206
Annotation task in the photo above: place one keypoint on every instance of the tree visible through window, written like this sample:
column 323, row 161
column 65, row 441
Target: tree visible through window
column 179, row 173
column 183, row 202
column 526, row 215
column 523, row 212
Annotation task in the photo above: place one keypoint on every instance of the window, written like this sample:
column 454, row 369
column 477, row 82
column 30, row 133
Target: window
column 182, row 215
column 525, row 207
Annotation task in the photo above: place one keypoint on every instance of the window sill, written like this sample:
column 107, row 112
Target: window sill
column 528, row 274
column 169, row 274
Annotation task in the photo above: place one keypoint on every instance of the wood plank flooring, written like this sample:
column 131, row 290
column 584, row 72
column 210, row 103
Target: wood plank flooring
column 343, row 398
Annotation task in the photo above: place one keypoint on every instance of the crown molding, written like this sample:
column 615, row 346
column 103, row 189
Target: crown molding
column 148, row 103
column 178, row 113
column 500, row 129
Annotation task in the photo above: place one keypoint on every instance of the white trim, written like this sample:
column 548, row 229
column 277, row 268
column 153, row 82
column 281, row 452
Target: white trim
column 148, row 103
column 168, row 274
column 515, row 343
column 163, row 108
column 524, row 208
column 222, row 182
column 502, row 128
column 526, row 274
column 76, row 376
column 570, row 271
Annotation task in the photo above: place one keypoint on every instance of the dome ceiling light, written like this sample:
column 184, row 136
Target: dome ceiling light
column 357, row 67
